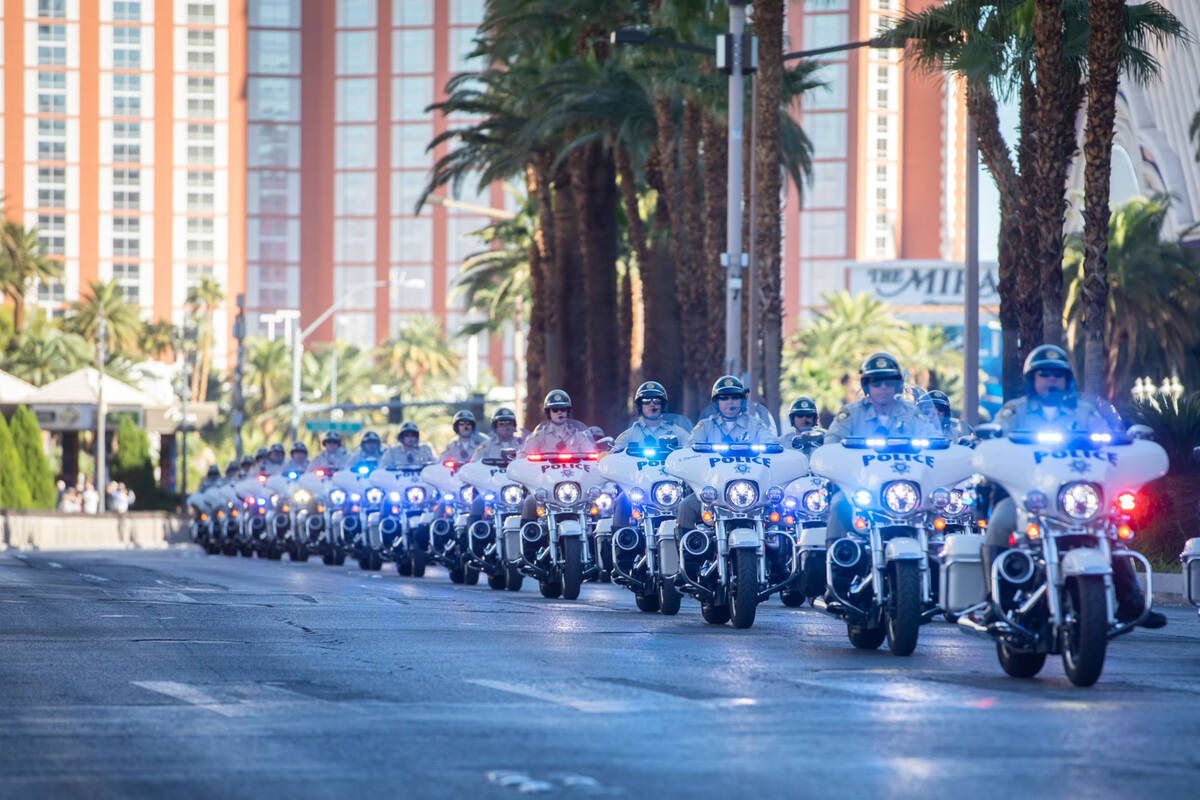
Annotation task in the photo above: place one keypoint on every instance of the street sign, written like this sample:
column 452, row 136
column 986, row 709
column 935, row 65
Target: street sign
column 332, row 425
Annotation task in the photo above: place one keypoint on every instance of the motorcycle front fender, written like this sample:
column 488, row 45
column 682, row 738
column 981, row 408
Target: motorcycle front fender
column 812, row 539
column 743, row 537
column 569, row 527
column 903, row 549
column 1085, row 561
column 604, row 527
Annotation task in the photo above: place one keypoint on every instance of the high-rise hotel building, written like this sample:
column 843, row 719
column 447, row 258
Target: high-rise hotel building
column 278, row 146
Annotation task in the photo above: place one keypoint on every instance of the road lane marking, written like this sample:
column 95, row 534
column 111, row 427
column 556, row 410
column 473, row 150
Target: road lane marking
column 54, row 564
column 604, row 697
column 189, row 694
column 87, row 576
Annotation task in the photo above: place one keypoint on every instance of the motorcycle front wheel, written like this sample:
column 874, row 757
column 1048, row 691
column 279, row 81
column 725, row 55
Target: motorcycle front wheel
column 1087, row 639
column 572, row 549
column 498, row 580
column 669, row 598
column 714, row 614
column 418, row 559
column 514, row 579
column 1019, row 663
column 904, row 610
column 743, row 601
column 864, row 638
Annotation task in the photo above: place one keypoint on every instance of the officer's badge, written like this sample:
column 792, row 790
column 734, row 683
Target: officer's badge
column 881, row 363
column 900, row 467
column 843, row 415
column 1079, row 465
column 1006, row 412
column 741, row 469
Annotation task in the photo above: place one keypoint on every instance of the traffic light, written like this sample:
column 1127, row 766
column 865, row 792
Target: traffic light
column 395, row 410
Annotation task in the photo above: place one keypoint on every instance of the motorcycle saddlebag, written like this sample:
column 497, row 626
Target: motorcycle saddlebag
column 962, row 584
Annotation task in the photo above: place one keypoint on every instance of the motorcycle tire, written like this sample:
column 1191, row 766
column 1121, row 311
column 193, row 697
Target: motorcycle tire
column 418, row 563
column 514, row 579
column 327, row 559
column 864, row 638
column 339, row 558
column 903, row 622
column 646, row 602
column 499, row 580
column 212, row 548
column 456, row 574
column 300, row 554
column 247, row 551
column 743, row 600
column 572, row 578
column 275, row 553
column 669, row 599
column 1086, row 643
column 812, row 576
column 404, row 566
column 471, row 576
column 1019, row 663
column 792, row 598
column 551, row 590
column 714, row 614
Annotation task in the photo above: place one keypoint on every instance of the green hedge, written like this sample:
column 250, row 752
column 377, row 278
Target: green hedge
column 27, row 438
column 14, row 491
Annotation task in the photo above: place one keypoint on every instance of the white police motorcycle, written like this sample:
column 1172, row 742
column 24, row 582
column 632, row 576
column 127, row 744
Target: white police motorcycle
column 554, row 549
column 644, row 556
column 202, row 521
column 448, row 530
column 401, row 526
column 488, row 546
column 806, row 515
column 307, row 513
column 1052, row 590
column 347, row 525
column 724, row 561
column 877, row 575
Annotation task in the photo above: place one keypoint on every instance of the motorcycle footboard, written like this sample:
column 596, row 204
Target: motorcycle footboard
column 1121, row 628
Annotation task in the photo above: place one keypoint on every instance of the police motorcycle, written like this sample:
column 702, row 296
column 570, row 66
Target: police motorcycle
column 878, row 576
column 448, row 543
column 305, row 509
column 399, row 526
column 1052, row 590
column 736, row 558
column 227, row 507
column 255, row 497
column 273, row 541
column 806, row 516
column 498, row 533
column 350, row 500
column 200, row 524
column 644, row 555
column 555, row 549
column 316, row 510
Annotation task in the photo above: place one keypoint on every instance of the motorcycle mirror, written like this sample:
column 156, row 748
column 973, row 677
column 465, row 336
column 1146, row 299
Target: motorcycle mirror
column 812, row 437
column 1196, row 454
column 989, row 431
column 669, row 443
column 1140, row 432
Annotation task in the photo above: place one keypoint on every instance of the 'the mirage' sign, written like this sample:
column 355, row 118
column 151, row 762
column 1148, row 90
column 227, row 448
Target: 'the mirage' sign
column 913, row 283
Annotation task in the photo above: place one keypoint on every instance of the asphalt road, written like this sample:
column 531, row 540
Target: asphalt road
column 177, row 674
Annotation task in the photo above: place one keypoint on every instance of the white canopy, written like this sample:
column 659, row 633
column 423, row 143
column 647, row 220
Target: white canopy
column 80, row 388
column 13, row 390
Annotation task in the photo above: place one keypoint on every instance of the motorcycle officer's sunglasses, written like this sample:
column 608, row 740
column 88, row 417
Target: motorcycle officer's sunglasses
column 1051, row 373
column 883, row 382
column 652, row 401
column 557, row 411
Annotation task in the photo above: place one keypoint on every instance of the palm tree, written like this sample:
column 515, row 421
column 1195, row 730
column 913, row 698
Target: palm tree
column 496, row 280
column 22, row 264
column 204, row 297
column 107, row 299
column 418, row 355
column 158, row 338
column 1153, row 292
column 268, row 376
column 45, row 352
column 356, row 373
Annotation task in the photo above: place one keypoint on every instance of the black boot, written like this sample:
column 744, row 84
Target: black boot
column 1130, row 599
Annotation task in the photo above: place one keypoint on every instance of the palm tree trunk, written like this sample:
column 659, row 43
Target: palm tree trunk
column 768, row 26
column 1104, row 53
column 535, row 342
column 715, row 144
column 206, row 358
column 662, row 358
column 1028, row 270
column 635, row 308
column 569, row 292
column 697, row 315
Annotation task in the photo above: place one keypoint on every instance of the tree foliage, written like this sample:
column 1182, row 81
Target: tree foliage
column 27, row 440
column 131, row 463
column 14, row 491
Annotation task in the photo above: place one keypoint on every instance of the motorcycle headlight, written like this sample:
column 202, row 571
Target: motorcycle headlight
column 467, row 493
column 604, row 502
column 567, row 493
column 394, row 497
column 511, row 494
column 957, row 503
column 1080, row 500
column 274, row 499
column 301, row 496
column 374, row 495
column 415, row 495
column 666, row 493
column 901, row 497
column 337, row 497
column 741, row 494
column 355, row 497
column 816, row 501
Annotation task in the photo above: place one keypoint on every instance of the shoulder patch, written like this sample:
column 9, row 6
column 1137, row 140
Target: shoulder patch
column 843, row 415
column 1006, row 412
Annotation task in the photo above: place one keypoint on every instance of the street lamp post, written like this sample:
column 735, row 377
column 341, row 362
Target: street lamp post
column 733, row 257
column 101, row 409
column 298, row 337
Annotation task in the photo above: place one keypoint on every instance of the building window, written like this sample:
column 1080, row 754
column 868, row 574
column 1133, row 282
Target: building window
column 127, row 200
column 127, row 130
column 355, row 13
column 199, row 201
column 126, row 224
column 200, row 155
column 126, row 153
column 200, row 179
column 126, row 177
column 201, row 13
column 201, row 133
column 275, row 13
column 52, row 33
column 127, row 278
column 127, row 58
column 199, row 249
column 201, row 108
column 201, row 60
column 51, row 56
column 53, row 291
column 126, row 82
column 201, row 38
column 52, row 9
column 127, row 106
column 127, row 10
column 881, row 148
column 198, row 85
column 410, row 98
column 198, row 272
column 412, row 51
column 126, row 247
column 412, row 12
column 52, row 151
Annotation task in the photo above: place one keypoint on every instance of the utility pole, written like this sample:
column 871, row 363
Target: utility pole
column 971, row 284
column 101, row 410
column 733, row 48
column 238, row 417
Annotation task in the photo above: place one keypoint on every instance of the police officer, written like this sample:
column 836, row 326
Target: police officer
column 939, row 405
column 275, row 458
column 332, row 456
column 247, row 464
column 881, row 412
column 803, row 418
column 370, row 448
column 211, row 478
column 652, row 424
column 1050, row 400
column 733, row 424
column 260, row 460
column 231, row 472
column 408, row 451
column 299, row 458
column 504, row 436
column 466, row 438
column 557, row 433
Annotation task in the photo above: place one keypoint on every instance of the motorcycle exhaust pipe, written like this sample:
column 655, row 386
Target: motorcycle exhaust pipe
column 846, row 553
column 1016, row 566
column 532, row 532
column 389, row 526
column 696, row 542
column 350, row 524
column 440, row 527
column 281, row 523
column 315, row 524
column 480, row 530
column 627, row 539
column 257, row 525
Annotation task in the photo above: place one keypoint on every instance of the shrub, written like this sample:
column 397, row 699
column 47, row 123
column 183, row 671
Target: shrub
column 27, row 438
column 131, row 462
column 14, row 492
